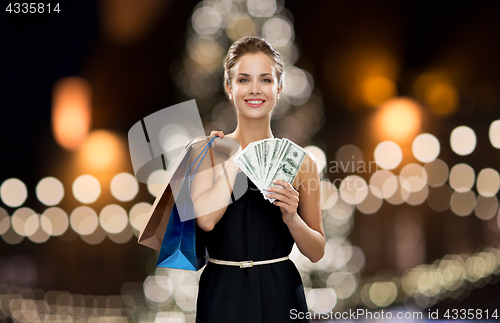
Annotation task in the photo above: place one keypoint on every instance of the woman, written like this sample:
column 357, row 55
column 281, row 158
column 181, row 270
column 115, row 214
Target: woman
column 252, row 228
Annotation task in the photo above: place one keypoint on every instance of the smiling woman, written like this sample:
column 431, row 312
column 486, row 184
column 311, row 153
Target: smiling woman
column 249, row 277
column 254, row 88
column 254, row 74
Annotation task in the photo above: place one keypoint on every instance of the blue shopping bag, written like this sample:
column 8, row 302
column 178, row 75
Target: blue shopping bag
column 183, row 244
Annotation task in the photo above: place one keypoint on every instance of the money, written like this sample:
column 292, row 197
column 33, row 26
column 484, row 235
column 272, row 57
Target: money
column 269, row 159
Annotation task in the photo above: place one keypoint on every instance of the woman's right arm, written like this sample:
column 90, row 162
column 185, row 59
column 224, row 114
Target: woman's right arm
column 211, row 198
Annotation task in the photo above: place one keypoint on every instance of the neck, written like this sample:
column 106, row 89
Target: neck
column 250, row 130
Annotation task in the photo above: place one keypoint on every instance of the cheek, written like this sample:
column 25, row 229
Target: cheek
column 272, row 92
column 238, row 90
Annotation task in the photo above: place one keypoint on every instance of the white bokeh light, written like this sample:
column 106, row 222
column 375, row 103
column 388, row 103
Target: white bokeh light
column 50, row 191
column 353, row 189
column 113, row 218
column 426, row 148
column 494, row 134
column 329, row 194
column 318, row 155
column 462, row 204
column 278, row 31
column 25, row 221
column 158, row 176
column 383, row 184
column 261, row 8
column 419, row 197
column 488, row 182
column 344, row 283
column 486, row 207
column 462, row 177
column 138, row 215
column 206, row 20
column 413, row 177
column 86, row 189
column 298, row 88
column 84, row 220
column 383, row 293
column 437, row 173
column 154, row 291
column 400, row 196
column 322, row 300
column 39, row 236
column 388, row 155
column 124, row 187
column 463, row 140
column 54, row 221
column 13, row 192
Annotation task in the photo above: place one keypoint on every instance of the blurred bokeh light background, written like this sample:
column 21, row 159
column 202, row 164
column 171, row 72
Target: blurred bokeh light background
column 397, row 101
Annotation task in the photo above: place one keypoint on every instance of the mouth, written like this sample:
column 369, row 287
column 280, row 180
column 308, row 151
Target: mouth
column 255, row 103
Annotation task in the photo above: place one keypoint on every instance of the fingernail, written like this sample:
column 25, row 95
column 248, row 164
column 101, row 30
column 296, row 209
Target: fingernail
column 268, row 194
column 275, row 181
column 268, row 189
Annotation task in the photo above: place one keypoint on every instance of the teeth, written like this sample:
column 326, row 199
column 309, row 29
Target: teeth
column 255, row 102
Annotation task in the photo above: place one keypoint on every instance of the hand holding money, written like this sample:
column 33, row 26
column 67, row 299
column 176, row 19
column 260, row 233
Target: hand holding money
column 270, row 159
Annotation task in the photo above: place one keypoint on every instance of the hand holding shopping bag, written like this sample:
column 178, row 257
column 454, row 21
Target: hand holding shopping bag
column 153, row 231
column 171, row 227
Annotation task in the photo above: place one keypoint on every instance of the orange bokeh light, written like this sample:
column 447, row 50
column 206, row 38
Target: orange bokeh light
column 438, row 93
column 377, row 90
column 71, row 111
column 442, row 99
column 398, row 119
column 101, row 151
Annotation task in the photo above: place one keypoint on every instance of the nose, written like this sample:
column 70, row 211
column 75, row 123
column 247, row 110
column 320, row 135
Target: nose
column 254, row 88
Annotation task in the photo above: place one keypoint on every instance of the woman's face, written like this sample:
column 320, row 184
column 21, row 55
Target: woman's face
column 254, row 86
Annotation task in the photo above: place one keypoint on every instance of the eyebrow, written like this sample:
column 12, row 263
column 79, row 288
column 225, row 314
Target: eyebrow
column 260, row 74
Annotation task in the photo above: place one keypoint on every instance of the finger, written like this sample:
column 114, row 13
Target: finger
column 280, row 191
column 279, row 203
column 292, row 202
column 285, row 184
column 283, row 206
column 280, row 197
column 286, row 191
column 217, row 133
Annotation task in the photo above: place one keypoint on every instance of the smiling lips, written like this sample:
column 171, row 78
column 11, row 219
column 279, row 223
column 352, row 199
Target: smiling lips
column 255, row 103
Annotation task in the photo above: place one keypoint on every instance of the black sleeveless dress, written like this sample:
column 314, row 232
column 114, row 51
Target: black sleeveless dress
column 251, row 229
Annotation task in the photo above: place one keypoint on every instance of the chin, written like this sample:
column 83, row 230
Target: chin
column 254, row 114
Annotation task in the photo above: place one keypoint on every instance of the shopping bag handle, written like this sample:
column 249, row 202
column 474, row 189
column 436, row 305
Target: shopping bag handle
column 204, row 152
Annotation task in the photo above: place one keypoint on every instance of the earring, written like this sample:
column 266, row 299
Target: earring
column 230, row 96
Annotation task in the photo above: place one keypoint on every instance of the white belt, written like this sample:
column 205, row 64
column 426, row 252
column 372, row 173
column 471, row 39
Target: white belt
column 247, row 263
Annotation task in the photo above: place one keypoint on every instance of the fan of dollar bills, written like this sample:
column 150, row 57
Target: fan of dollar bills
column 266, row 160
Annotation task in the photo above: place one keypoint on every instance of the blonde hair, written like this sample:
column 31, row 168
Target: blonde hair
column 252, row 45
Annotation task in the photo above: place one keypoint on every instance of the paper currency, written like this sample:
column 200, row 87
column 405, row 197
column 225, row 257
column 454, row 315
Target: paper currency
column 269, row 159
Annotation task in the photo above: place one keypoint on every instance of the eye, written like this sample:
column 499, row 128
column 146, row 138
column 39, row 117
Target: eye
column 241, row 80
column 268, row 80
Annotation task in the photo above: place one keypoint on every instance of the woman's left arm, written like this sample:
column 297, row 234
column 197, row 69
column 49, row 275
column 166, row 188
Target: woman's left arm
column 304, row 219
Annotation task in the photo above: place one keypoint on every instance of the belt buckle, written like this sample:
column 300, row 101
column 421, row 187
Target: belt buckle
column 246, row 264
